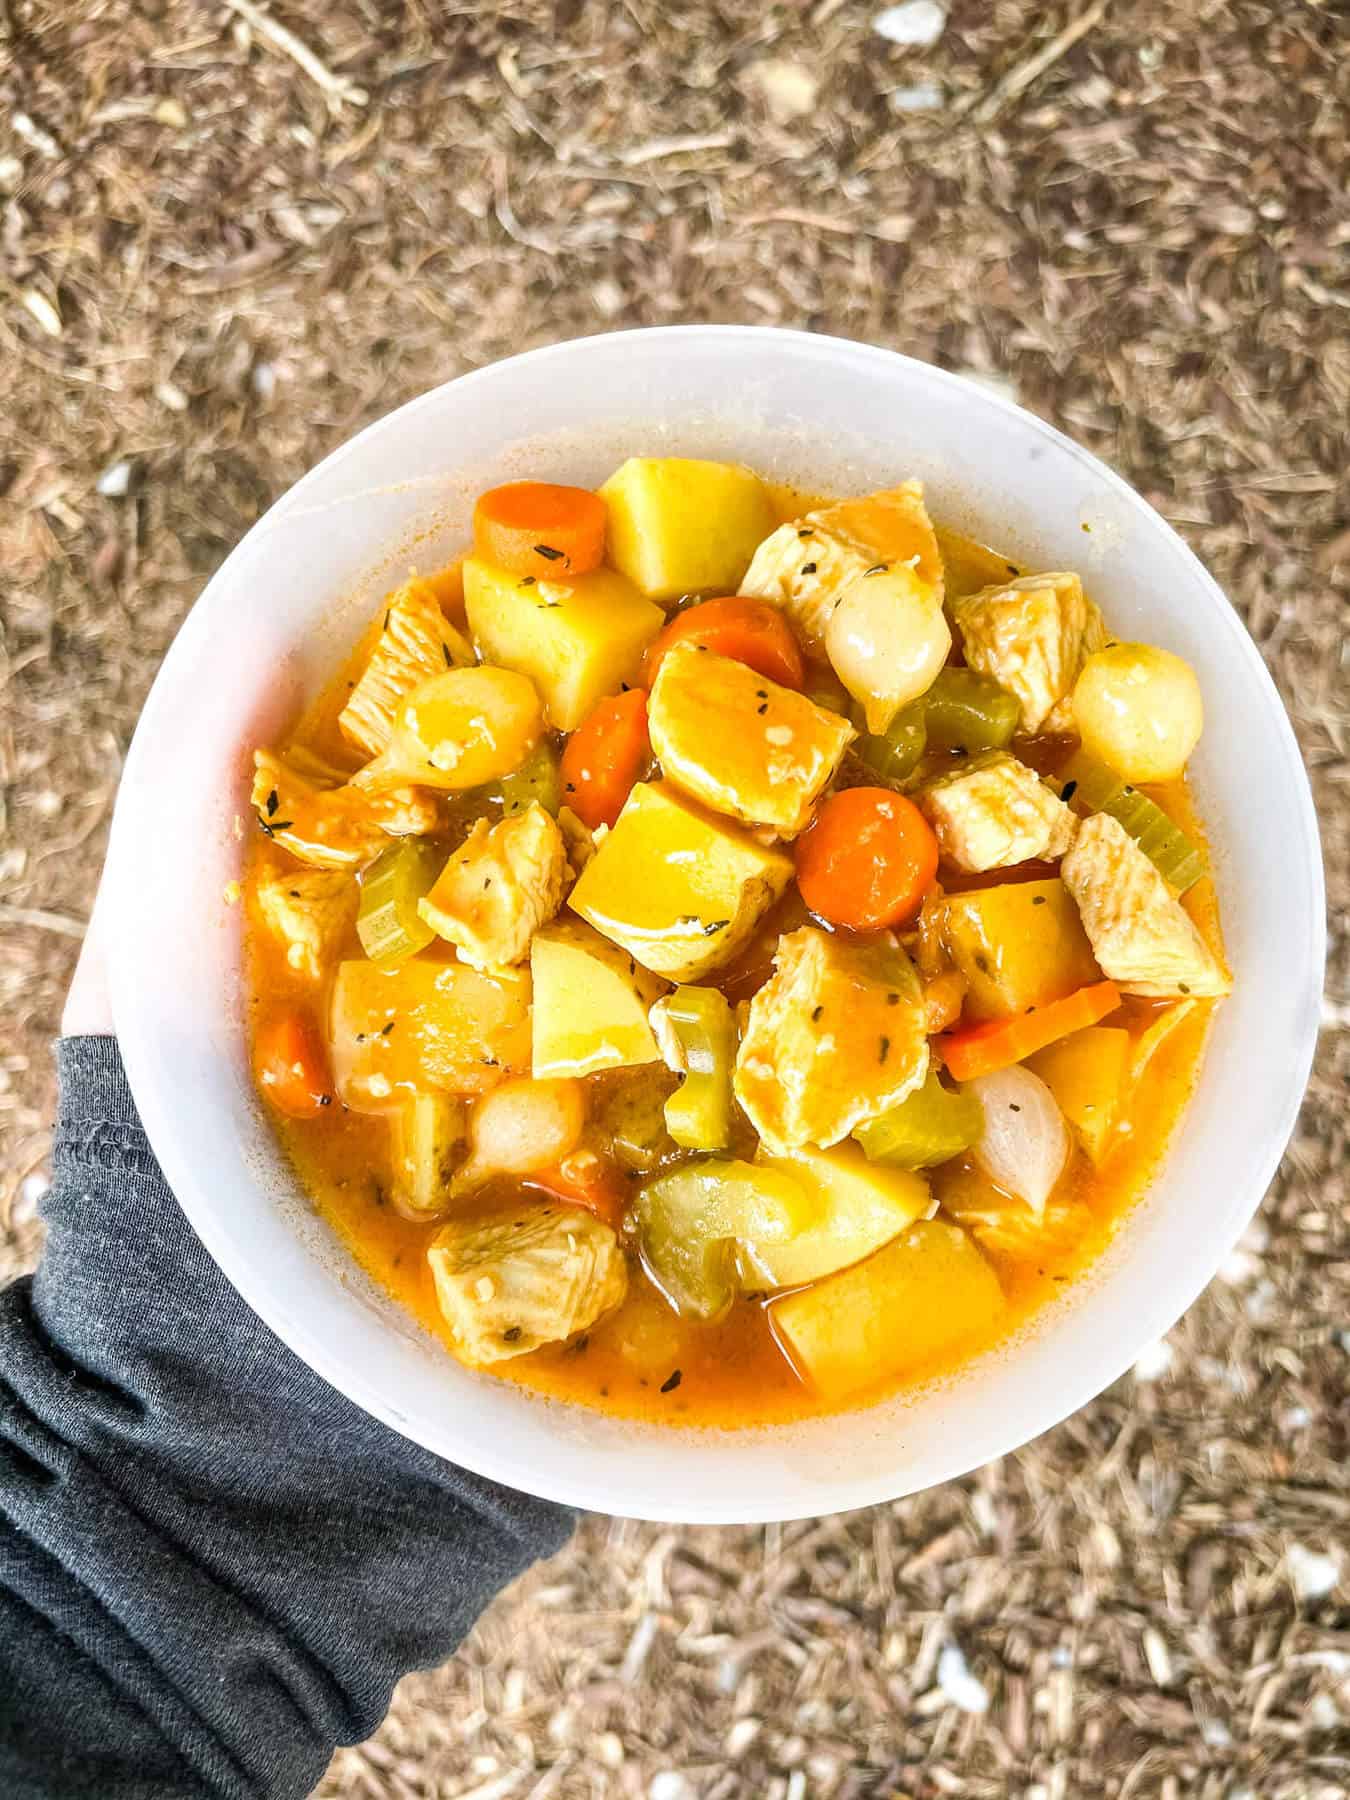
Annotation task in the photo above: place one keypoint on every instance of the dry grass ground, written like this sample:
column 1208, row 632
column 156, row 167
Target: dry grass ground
column 220, row 255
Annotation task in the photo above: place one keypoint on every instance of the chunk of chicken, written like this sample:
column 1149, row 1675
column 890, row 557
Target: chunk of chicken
column 863, row 580
column 499, row 887
column 416, row 642
column 1141, row 936
column 994, row 812
column 1032, row 636
column 835, row 1036
column 334, row 827
column 311, row 911
column 804, row 567
column 739, row 742
column 537, row 1273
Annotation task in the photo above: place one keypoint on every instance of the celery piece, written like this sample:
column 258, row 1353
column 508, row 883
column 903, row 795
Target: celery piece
column 969, row 712
column 895, row 754
column 1177, row 858
column 387, row 920
column 427, row 1134
column 698, row 1113
column 694, row 1220
column 933, row 1124
column 537, row 778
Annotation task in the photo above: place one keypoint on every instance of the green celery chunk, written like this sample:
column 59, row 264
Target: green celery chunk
column 1177, row 858
column 895, row 754
column 694, row 1221
column 428, row 1135
column 698, row 1113
column 387, row 921
column 933, row 1124
column 538, row 778
column 966, row 711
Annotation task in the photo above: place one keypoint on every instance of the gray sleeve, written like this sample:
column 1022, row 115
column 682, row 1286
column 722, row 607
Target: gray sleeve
column 213, row 1567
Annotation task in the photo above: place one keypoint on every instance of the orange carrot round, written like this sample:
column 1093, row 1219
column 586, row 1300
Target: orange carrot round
column 292, row 1066
column 867, row 859
column 604, row 757
column 748, row 631
column 539, row 528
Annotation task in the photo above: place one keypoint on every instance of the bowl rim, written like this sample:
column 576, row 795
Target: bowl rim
column 1096, row 1374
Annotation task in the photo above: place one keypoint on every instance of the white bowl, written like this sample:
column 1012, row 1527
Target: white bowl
column 268, row 630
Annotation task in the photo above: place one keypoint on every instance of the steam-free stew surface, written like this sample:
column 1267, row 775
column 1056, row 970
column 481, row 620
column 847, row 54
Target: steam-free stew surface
column 643, row 1359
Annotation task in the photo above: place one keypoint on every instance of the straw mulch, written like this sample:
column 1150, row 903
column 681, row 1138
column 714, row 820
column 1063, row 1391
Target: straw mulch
column 226, row 247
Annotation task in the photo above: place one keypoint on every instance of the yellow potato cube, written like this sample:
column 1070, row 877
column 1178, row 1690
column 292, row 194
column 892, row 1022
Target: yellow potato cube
column 1086, row 1073
column 680, row 891
column 591, row 1001
column 577, row 640
column 739, row 742
column 396, row 1032
column 922, row 1296
column 863, row 1205
column 1018, row 945
column 681, row 526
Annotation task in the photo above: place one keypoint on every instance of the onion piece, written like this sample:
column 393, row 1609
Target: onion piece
column 520, row 1127
column 1025, row 1142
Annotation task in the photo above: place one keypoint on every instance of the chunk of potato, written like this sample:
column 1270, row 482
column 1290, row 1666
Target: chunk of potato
column 590, row 1003
column 919, row 1298
column 680, row 891
column 739, row 742
column 428, row 1140
column 863, row 1205
column 1086, row 1074
column 395, row 1032
column 1018, row 945
column 577, row 640
column 682, row 526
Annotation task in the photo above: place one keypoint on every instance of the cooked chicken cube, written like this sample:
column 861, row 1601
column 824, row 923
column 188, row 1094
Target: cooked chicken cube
column 499, row 887
column 509, row 1281
column 739, row 742
column 311, row 911
column 416, row 642
column 836, row 1035
column 995, row 812
column 1032, row 636
column 863, row 580
column 334, row 827
column 1141, row 936
column 804, row 567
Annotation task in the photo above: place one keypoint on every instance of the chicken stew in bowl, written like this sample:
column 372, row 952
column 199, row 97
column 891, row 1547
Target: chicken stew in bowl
column 721, row 956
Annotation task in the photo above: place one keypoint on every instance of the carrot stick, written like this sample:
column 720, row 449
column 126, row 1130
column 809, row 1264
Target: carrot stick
column 983, row 1049
column 604, row 757
column 584, row 1179
column 538, row 528
column 292, row 1067
column 867, row 859
column 746, row 630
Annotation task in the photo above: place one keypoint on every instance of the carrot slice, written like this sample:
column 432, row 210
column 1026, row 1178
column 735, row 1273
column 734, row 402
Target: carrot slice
column 292, row 1067
column 984, row 1049
column 746, row 630
column 604, row 757
column 538, row 528
column 585, row 1179
column 867, row 859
